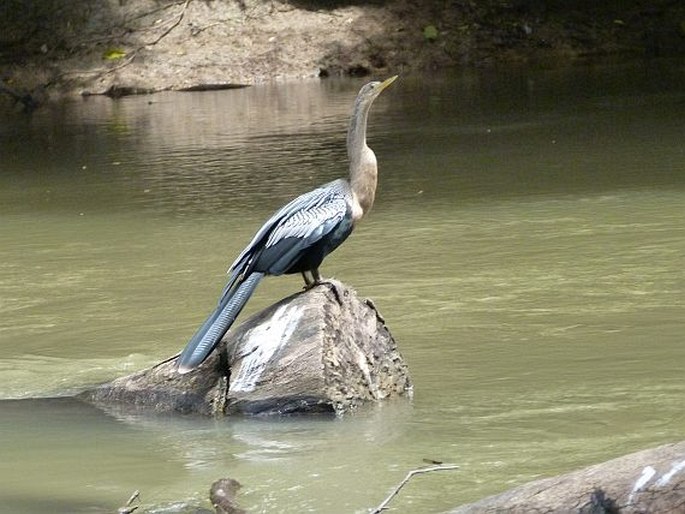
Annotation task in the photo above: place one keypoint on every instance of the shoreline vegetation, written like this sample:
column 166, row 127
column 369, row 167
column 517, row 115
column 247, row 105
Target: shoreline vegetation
column 63, row 48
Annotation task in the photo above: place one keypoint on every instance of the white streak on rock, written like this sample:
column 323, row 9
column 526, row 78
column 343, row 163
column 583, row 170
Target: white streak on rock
column 676, row 468
column 261, row 344
column 647, row 473
column 364, row 368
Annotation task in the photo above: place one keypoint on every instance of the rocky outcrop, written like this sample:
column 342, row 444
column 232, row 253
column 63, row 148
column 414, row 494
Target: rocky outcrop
column 320, row 350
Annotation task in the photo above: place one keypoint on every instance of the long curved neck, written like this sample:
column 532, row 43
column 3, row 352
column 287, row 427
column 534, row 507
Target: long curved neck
column 362, row 160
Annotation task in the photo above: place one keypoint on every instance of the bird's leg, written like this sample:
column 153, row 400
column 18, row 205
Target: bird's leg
column 308, row 281
column 316, row 280
column 312, row 281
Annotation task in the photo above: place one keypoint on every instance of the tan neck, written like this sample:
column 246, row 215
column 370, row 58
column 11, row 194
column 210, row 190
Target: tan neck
column 364, row 179
column 362, row 160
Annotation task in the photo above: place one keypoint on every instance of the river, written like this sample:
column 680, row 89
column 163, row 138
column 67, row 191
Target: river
column 526, row 250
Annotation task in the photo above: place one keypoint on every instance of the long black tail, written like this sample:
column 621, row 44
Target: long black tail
column 217, row 324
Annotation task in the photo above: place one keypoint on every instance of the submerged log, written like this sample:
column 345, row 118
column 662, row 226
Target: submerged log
column 650, row 481
column 320, row 350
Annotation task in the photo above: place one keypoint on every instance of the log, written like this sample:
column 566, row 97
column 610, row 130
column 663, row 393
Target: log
column 649, row 481
column 320, row 350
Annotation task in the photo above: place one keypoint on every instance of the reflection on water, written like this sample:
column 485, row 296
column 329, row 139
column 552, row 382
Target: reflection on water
column 535, row 283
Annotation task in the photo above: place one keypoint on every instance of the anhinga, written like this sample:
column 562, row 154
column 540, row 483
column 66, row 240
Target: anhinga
column 299, row 236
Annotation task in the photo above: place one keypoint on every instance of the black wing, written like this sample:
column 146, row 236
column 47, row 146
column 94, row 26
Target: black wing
column 291, row 231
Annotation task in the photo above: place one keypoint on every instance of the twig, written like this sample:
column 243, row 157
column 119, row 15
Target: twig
column 172, row 27
column 166, row 360
column 124, row 28
column 133, row 54
column 128, row 508
column 149, row 13
column 125, row 62
column 410, row 475
column 194, row 31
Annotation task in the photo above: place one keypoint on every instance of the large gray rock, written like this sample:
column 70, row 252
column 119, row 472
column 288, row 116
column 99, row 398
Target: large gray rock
column 647, row 482
column 320, row 350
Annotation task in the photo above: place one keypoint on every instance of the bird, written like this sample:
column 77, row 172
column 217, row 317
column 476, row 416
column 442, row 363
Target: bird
column 300, row 235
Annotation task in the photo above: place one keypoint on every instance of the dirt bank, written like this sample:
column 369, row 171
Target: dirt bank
column 127, row 46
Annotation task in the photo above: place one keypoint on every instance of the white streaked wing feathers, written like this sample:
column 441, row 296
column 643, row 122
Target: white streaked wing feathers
column 311, row 223
column 333, row 192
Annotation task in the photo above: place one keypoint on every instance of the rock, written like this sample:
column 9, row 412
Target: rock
column 320, row 350
column 650, row 481
column 222, row 495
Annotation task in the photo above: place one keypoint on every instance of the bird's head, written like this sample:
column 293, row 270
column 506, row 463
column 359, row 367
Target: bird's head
column 369, row 92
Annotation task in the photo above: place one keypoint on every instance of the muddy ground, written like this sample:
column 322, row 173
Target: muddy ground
column 118, row 47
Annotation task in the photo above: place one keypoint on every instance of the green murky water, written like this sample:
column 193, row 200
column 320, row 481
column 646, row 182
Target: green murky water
column 526, row 249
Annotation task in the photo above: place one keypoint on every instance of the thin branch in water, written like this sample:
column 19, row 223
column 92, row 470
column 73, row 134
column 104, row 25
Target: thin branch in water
column 410, row 475
column 128, row 508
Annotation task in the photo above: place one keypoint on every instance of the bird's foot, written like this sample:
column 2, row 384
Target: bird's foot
column 311, row 281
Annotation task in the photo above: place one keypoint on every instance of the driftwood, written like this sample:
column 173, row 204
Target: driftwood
column 320, row 350
column 650, row 481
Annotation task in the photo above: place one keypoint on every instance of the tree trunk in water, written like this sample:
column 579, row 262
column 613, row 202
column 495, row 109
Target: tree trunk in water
column 320, row 350
column 650, row 481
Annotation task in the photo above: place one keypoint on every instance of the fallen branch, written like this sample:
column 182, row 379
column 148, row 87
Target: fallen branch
column 410, row 475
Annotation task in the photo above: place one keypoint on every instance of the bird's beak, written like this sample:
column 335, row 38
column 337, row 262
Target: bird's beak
column 386, row 83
